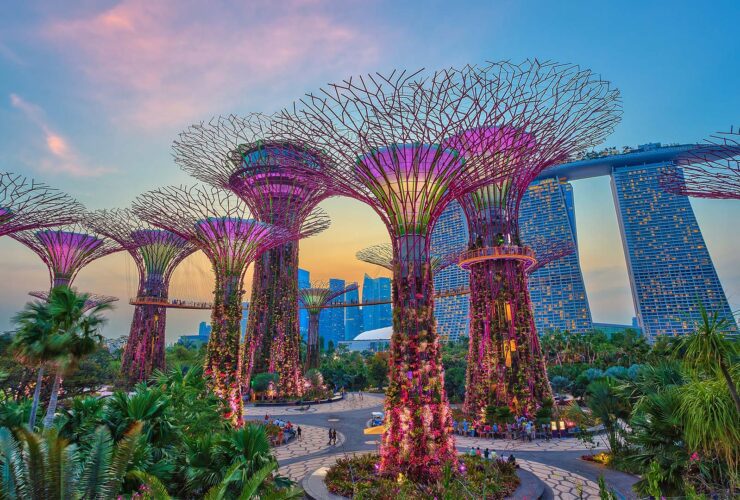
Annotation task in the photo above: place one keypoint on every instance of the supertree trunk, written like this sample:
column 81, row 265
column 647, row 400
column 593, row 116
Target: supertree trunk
column 483, row 289
column 144, row 351
column 418, row 437
column 222, row 357
column 508, row 368
column 273, row 338
column 312, row 342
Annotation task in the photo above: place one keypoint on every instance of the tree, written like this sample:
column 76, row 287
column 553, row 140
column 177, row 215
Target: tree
column 37, row 343
column 78, row 330
column 377, row 367
column 708, row 350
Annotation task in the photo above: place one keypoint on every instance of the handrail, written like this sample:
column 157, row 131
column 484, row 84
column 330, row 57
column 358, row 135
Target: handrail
column 503, row 252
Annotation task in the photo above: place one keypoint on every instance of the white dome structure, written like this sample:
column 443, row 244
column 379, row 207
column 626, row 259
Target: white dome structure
column 371, row 340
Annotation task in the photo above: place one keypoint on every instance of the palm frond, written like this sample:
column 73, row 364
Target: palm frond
column 122, row 457
column 95, row 472
column 157, row 490
column 12, row 483
column 254, row 483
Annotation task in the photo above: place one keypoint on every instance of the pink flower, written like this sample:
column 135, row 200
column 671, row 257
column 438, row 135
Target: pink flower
column 694, row 457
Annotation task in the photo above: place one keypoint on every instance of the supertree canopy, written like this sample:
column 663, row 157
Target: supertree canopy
column 222, row 227
column 26, row 204
column 544, row 113
column 383, row 134
column 382, row 255
column 711, row 170
column 66, row 249
column 156, row 252
column 281, row 183
column 314, row 299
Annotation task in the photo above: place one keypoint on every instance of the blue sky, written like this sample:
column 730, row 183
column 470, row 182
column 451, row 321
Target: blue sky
column 93, row 93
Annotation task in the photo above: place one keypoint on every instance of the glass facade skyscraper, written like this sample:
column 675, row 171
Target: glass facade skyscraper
column 450, row 235
column 669, row 265
column 353, row 320
column 304, row 281
column 331, row 320
column 557, row 290
column 377, row 316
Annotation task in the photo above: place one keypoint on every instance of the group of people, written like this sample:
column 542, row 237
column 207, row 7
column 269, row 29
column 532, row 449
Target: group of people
column 487, row 454
column 332, row 436
column 522, row 428
column 286, row 432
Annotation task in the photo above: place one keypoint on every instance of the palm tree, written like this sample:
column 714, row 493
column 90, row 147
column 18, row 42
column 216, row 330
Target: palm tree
column 606, row 405
column 43, row 466
column 709, row 350
column 36, row 343
column 78, row 328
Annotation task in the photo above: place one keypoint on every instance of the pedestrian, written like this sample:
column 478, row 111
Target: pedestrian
column 330, row 435
column 486, row 452
column 298, row 431
column 471, row 452
column 477, row 451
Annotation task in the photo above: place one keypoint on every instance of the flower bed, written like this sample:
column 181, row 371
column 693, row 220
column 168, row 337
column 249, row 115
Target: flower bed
column 477, row 478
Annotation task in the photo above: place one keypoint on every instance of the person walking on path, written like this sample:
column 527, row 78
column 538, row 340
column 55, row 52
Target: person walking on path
column 330, row 435
column 298, row 431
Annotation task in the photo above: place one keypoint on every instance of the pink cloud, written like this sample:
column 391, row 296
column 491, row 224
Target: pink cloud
column 61, row 157
column 163, row 63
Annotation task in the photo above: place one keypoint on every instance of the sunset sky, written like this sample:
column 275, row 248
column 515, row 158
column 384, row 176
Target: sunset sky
column 93, row 93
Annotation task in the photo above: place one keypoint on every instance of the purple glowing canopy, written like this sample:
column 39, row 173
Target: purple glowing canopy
column 409, row 180
column 67, row 250
column 236, row 242
column 5, row 214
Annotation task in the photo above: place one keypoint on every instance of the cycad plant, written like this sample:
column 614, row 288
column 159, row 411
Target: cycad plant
column 45, row 466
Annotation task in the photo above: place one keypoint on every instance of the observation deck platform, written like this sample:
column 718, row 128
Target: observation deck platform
column 503, row 252
column 170, row 303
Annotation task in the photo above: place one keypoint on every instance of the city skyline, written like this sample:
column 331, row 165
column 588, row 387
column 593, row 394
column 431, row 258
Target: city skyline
column 96, row 86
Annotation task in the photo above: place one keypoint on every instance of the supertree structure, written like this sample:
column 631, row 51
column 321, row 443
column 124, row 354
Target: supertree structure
column 220, row 225
column 93, row 299
column 66, row 249
column 711, row 170
column 314, row 299
column 543, row 114
column 383, row 135
column 382, row 255
column 26, row 204
column 156, row 252
column 281, row 184
column 549, row 252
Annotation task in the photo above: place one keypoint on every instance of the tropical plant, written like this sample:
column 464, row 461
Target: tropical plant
column 44, row 466
column 602, row 398
column 37, row 344
column 657, row 437
column 78, row 326
column 709, row 350
column 711, row 422
column 81, row 418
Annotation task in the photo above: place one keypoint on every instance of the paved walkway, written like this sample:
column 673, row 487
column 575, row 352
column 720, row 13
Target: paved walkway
column 313, row 439
column 557, row 462
column 352, row 401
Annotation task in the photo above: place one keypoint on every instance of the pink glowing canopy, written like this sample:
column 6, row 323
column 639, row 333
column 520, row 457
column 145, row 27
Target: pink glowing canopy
column 67, row 250
column 409, row 180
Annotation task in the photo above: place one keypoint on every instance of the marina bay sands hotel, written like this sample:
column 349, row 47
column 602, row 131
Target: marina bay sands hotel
column 669, row 266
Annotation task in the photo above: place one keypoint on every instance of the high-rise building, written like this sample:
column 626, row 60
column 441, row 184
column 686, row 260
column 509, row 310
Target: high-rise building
column 557, row 290
column 304, row 281
column 375, row 290
column 669, row 265
column 331, row 320
column 204, row 329
column 245, row 316
column 450, row 235
column 353, row 321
